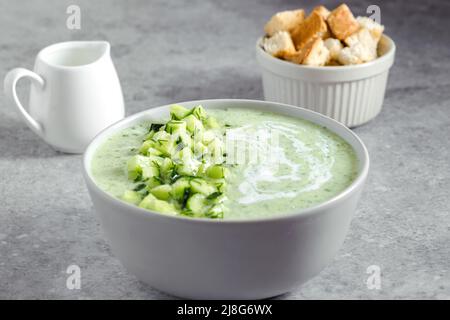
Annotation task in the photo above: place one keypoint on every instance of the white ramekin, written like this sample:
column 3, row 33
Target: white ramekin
column 227, row 259
column 351, row 95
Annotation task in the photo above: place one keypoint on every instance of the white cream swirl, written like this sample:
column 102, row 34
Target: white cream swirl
column 275, row 146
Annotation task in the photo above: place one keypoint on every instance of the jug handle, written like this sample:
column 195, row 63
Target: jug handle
column 10, row 91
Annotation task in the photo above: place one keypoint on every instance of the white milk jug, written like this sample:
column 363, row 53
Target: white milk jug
column 75, row 93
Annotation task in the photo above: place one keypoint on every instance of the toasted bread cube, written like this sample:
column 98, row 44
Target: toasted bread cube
column 363, row 45
column 342, row 22
column 279, row 45
column 316, row 54
column 347, row 57
column 333, row 63
column 363, row 36
column 334, row 46
column 284, row 21
column 321, row 10
column 296, row 57
column 374, row 27
column 313, row 53
column 314, row 26
column 364, row 53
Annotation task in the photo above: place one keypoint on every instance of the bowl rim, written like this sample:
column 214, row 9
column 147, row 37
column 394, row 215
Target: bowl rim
column 356, row 184
column 384, row 58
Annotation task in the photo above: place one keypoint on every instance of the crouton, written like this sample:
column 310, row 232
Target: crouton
column 317, row 54
column 284, row 21
column 279, row 45
column 296, row 57
column 374, row 27
column 347, row 57
column 334, row 46
column 313, row 26
column 313, row 53
column 333, row 63
column 342, row 22
column 364, row 36
column 363, row 45
column 322, row 11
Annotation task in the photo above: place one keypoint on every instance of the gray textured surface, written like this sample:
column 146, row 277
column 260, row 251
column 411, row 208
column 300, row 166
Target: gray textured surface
column 166, row 52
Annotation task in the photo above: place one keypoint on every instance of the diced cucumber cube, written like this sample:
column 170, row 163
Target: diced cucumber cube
column 166, row 168
column 196, row 203
column 154, row 152
column 149, row 172
column 216, row 172
column 147, row 201
column 199, row 112
column 179, row 187
column 199, row 185
column 176, row 127
column 165, row 146
column 178, row 112
column 155, row 160
column 145, row 146
column 153, row 182
column 220, row 184
column 161, row 192
column 193, row 124
column 132, row 197
column 135, row 165
column 215, row 212
column 146, row 167
column 150, row 202
column 184, row 170
column 161, row 135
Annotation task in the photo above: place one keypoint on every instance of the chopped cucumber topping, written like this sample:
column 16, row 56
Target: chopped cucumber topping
column 179, row 187
column 132, row 197
column 179, row 112
column 199, row 113
column 176, row 126
column 162, row 192
column 173, row 168
column 193, row 124
column 140, row 166
column 152, row 203
column 196, row 203
column 216, row 172
column 200, row 185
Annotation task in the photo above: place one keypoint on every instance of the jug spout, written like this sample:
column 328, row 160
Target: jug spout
column 102, row 48
column 90, row 51
column 74, row 53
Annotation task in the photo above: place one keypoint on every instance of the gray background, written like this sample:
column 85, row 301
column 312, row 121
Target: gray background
column 166, row 51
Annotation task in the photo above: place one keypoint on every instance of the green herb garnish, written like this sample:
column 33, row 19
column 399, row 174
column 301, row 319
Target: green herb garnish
column 139, row 187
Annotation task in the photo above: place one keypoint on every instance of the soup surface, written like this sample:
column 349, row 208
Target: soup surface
column 276, row 164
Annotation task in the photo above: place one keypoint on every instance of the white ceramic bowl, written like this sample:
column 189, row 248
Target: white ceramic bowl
column 352, row 95
column 227, row 259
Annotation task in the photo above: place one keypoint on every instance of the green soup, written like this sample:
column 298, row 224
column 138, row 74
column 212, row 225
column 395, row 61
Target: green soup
column 280, row 164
